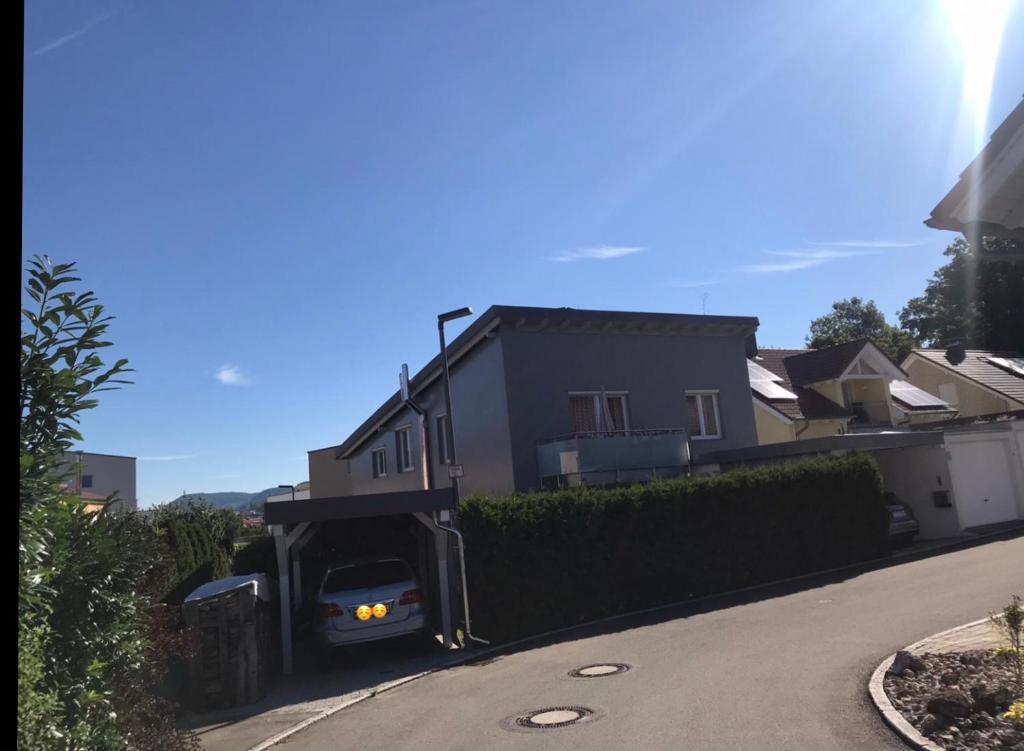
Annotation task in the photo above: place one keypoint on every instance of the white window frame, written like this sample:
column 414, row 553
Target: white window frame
column 700, row 394
column 443, row 453
column 599, row 412
column 405, row 430
column 373, row 460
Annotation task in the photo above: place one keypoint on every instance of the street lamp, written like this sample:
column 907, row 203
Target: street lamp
column 453, row 467
column 292, row 487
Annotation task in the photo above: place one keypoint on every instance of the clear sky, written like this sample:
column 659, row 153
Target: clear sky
column 276, row 199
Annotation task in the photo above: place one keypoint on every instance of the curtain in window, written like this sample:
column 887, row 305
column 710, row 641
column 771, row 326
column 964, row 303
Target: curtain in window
column 617, row 412
column 693, row 415
column 583, row 416
column 710, row 423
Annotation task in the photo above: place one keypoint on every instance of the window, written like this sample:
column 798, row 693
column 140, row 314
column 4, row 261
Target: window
column 589, row 415
column 403, row 449
column 380, row 463
column 444, row 454
column 86, row 481
column 702, row 414
column 948, row 394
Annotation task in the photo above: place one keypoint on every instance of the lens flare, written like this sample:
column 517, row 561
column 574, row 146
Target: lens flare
column 977, row 26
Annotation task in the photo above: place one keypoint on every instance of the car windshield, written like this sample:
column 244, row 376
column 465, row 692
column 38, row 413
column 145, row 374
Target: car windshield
column 365, row 576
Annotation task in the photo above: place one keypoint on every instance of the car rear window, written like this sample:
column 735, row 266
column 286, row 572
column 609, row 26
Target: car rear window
column 366, row 575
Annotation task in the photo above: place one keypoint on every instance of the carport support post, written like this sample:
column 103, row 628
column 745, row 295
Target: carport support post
column 441, row 551
column 284, row 597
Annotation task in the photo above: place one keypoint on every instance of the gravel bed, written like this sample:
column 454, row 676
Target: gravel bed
column 956, row 699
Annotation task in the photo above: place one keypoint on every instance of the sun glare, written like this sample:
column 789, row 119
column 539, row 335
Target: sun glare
column 977, row 26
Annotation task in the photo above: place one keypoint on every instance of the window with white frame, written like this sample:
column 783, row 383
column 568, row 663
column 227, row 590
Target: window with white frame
column 592, row 414
column 380, row 462
column 702, row 414
column 403, row 449
column 444, row 454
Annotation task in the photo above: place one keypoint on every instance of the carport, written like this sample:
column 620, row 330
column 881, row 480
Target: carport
column 294, row 523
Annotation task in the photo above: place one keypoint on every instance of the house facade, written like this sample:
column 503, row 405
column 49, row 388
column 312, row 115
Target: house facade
column 975, row 382
column 95, row 477
column 549, row 397
column 800, row 394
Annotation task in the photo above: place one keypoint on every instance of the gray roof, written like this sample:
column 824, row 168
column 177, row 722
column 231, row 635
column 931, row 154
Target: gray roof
column 976, row 367
column 809, row 404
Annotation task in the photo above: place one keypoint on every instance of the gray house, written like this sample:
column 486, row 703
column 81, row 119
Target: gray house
column 547, row 397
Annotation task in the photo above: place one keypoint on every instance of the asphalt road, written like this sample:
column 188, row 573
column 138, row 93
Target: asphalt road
column 784, row 669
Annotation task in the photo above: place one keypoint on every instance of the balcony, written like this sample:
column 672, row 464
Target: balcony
column 612, row 457
column 870, row 415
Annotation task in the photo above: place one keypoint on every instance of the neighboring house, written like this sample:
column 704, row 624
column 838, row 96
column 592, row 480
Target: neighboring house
column 545, row 397
column 988, row 199
column 973, row 381
column 958, row 475
column 95, row 477
column 800, row 394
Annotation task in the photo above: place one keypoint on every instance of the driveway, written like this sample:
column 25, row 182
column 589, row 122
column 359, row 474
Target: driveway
column 784, row 669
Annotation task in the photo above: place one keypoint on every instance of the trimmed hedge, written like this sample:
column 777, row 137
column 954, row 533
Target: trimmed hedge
column 546, row 560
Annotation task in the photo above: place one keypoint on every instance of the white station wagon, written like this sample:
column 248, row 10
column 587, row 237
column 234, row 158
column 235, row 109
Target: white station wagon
column 367, row 600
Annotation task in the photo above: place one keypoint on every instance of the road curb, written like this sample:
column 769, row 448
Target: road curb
column 481, row 654
column 892, row 716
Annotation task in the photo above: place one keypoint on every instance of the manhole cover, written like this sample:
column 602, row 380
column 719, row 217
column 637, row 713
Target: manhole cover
column 550, row 718
column 600, row 670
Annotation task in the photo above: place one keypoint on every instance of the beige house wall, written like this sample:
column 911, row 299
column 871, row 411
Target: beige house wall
column 972, row 399
column 771, row 429
column 328, row 477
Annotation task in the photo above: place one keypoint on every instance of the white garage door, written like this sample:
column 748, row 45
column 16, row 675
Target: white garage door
column 982, row 482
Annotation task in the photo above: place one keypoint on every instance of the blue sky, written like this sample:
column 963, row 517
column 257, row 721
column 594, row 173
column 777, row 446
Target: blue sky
column 275, row 199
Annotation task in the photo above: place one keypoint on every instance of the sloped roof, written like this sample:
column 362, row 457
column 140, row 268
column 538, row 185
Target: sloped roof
column 990, row 193
column 809, row 404
column 976, row 367
column 825, row 364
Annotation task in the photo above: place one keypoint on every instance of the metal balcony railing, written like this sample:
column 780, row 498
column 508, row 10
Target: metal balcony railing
column 612, row 457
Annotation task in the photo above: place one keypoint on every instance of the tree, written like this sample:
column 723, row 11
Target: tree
column 975, row 299
column 88, row 653
column 855, row 319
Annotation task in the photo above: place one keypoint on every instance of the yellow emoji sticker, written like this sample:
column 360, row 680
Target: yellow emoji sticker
column 363, row 612
column 380, row 610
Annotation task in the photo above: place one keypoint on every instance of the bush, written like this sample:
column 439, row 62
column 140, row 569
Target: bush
column 547, row 560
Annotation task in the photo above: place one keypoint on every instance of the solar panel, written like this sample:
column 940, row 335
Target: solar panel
column 912, row 396
column 770, row 390
column 757, row 373
column 1013, row 364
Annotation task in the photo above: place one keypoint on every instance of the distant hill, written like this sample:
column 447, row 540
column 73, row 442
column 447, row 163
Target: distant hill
column 233, row 500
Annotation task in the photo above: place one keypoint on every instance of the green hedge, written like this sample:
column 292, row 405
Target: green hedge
column 541, row 561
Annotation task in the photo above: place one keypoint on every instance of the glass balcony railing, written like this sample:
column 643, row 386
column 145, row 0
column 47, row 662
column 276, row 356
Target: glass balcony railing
column 612, row 457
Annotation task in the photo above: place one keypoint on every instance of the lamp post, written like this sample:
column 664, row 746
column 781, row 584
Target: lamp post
column 291, row 487
column 442, row 319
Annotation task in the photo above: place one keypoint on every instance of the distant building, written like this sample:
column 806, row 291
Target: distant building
column 96, row 477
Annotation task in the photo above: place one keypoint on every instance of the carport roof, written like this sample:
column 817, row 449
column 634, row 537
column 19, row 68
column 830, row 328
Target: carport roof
column 356, row 506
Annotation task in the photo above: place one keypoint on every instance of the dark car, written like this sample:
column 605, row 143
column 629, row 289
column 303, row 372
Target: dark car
column 903, row 526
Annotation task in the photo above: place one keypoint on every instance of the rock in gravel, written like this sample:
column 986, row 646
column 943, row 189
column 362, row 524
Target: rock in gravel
column 949, row 678
column 991, row 701
column 906, row 661
column 950, row 703
column 930, row 724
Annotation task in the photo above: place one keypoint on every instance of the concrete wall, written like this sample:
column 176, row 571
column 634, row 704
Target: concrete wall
column 328, row 477
column 541, row 368
column 972, row 399
column 771, row 429
column 913, row 473
column 109, row 474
